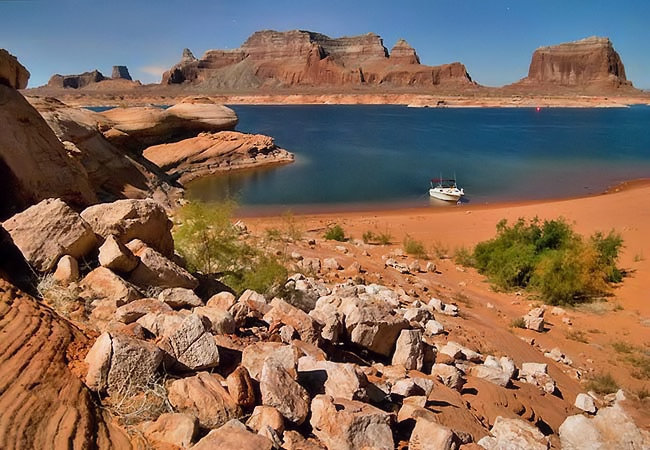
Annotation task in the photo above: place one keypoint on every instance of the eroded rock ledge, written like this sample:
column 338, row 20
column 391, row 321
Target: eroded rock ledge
column 210, row 153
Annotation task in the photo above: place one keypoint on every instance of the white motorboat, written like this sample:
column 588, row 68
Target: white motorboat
column 445, row 189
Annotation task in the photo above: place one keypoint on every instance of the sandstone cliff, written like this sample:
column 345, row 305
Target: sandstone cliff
column 587, row 63
column 120, row 79
column 121, row 72
column 302, row 58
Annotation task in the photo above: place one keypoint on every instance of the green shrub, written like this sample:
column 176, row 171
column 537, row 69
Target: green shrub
column 464, row 257
column 602, row 384
column 378, row 239
column 519, row 322
column 550, row 258
column 335, row 233
column 414, row 247
column 209, row 242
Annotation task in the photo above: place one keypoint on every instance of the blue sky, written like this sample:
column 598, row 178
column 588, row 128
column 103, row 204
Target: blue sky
column 493, row 38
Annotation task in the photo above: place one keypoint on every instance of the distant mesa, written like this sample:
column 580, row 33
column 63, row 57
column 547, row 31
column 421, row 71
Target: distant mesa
column 277, row 59
column 590, row 62
column 121, row 73
column 90, row 78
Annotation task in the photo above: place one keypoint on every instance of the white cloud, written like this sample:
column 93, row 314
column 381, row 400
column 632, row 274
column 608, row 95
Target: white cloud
column 152, row 73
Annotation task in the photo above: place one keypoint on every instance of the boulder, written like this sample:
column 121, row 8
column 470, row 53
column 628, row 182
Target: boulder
column 338, row 380
column 114, row 255
column 537, row 374
column 255, row 355
column 514, row 433
column 180, row 298
column 409, row 387
column 102, row 283
column 240, row 387
column 433, row 328
column 266, row 416
column 132, row 219
column 67, row 270
column 98, row 359
column 611, row 428
column 161, row 323
column 221, row 321
column 430, row 435
column 203, row 397
column 49, row 230
column 347, row 424
column 331, row 264
column 534, row 319
column 223, row 300
column 448, row 375
column 191, row 346
column 280, row 390
column 282, row 312
column 138, row 308
column 156, row 270
column 586, row 403
column 121, row 365
column 373, row 327
column 409, row 351
column 12, row 73
column 492, row 374
column 175, row 429
column 233, row 437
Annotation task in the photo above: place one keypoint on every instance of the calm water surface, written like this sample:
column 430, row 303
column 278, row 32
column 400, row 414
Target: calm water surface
column 348, row 156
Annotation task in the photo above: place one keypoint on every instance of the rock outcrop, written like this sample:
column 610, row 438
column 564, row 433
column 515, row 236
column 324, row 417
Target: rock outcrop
column 42, row 403
column 210, row 153
column 112, row 172
column 75, row 81
column 304, row 58
column 121, row 73
column 34, row 165
column 12, row 73
column 587, row 63
column 140, row 127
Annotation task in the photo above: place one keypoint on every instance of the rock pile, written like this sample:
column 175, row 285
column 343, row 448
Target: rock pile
column 355, row 365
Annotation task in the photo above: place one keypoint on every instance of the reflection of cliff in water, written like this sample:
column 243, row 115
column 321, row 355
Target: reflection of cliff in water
column 228, row 185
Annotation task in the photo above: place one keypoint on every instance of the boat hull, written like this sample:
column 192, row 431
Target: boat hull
column 450, row 195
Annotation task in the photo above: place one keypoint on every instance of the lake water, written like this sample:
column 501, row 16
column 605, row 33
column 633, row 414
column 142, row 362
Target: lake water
column 348, row 156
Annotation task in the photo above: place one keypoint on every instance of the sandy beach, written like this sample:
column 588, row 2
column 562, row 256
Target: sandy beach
column 624, row 317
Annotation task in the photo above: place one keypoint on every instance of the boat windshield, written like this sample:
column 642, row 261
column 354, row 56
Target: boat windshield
column 444, row 182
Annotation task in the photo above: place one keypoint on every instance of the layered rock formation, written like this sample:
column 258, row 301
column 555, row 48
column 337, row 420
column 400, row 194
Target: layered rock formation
column 210, row 153
column 120, row 78
column 121, row 72
column 34, row 164
column 43, row 404
column 140, row 127
column 304, row 58
column 75, row 81
column 587, row 63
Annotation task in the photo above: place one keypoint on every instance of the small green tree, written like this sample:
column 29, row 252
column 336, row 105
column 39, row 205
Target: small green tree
column 210, row 243
column 335, row 233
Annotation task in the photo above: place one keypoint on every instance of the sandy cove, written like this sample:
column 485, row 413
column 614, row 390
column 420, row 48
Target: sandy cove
column 625, row 317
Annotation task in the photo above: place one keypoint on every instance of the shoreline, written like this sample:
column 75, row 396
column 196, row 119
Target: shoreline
column 393, row 208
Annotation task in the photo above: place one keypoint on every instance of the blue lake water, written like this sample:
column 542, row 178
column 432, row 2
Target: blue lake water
column 348, row 156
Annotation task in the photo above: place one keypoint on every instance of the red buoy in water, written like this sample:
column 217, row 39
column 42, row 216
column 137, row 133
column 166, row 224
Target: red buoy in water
column 538, row 109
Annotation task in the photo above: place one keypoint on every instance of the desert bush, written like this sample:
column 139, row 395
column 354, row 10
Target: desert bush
column 207, row 239
column 370, row 237
column 137, row 403
column 414, row 247
column 64, row 299
column 288, row 231
column 518, row 323
column 335, row 233
column 464, row 257
column 550, row 258
column 602, row 384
